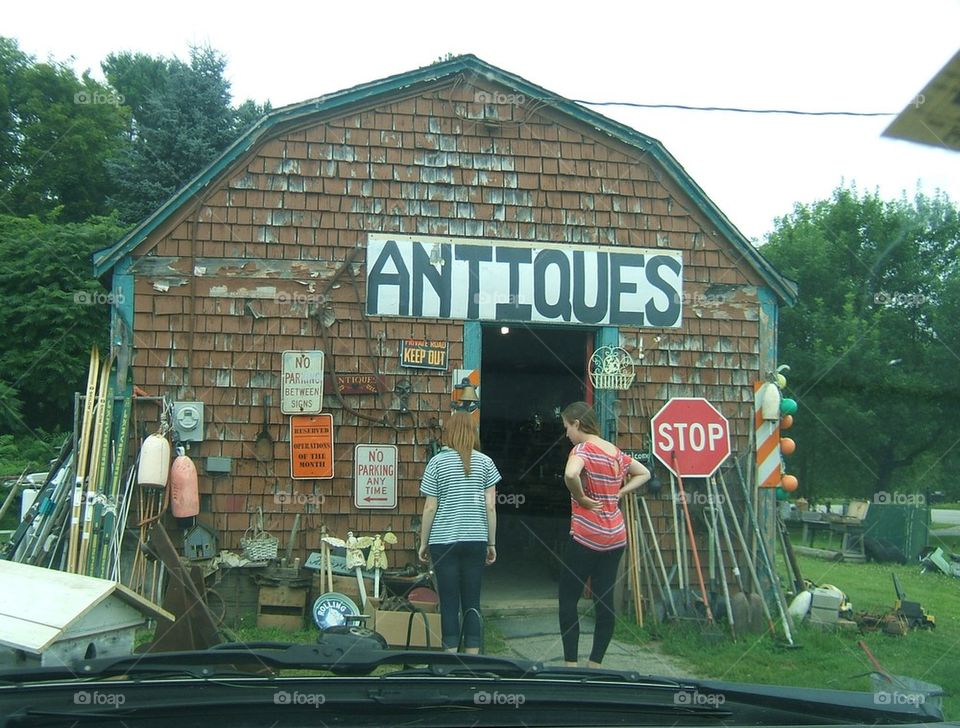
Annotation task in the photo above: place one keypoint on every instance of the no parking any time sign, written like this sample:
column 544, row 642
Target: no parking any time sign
column 375, row 476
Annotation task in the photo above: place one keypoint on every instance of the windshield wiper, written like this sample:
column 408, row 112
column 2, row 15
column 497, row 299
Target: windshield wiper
column 265, row 657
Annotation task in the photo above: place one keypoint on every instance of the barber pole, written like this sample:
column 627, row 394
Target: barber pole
column 767, row 437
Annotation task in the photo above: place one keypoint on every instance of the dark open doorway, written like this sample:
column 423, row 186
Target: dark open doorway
column 528, row 375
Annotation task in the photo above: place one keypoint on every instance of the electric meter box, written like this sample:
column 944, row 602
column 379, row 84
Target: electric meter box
column 188, row 421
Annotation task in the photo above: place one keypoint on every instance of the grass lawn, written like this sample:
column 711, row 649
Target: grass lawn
column 832, row 659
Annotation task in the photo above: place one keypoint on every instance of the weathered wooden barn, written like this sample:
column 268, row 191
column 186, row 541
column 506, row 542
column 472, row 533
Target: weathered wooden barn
column 455, row 220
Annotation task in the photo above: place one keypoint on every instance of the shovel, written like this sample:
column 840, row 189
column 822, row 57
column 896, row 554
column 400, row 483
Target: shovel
column 263, row 447
column 741, row 611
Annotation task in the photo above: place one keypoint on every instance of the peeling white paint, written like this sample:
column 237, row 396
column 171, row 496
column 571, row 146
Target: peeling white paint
column 243, row 292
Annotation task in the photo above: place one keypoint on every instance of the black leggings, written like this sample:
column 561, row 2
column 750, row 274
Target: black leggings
column 458, row 568
column 600, row 567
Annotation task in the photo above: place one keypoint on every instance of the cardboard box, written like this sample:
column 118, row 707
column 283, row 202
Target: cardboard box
column 428, row 607
column 393, row 626
column 346, row 585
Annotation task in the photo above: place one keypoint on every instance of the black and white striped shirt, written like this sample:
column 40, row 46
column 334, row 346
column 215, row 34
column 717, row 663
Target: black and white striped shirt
column 461, row 509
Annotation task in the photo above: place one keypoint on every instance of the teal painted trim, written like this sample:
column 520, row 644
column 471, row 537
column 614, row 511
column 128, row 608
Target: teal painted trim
column 340, row 101
column 472, row 344
column 603, row 399
column 769, row 329
column 123, row 309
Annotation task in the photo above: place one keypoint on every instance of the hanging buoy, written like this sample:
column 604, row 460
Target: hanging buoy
column 787, row 445
column 154, row 465
column 786, row 422
column 788, row 406
column 789, row 483
column 184, row 493
column 770, row 401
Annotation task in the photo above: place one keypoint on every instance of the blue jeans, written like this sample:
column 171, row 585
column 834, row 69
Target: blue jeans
column 458, row 567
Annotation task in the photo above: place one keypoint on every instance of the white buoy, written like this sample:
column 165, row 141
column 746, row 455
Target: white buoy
column 154, row 468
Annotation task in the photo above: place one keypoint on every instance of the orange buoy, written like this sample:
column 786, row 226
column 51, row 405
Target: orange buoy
column 184, row 493
column 154, row 467
column 787, row 445
column 789, row 483
column 786, row 422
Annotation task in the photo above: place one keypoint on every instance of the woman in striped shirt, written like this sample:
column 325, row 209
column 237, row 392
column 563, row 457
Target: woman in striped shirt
column 597, row 475
column 459, row 527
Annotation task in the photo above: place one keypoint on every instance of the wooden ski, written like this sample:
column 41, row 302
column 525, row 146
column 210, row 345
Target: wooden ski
column 97, row 458
column 82, row 450
column 104, row 526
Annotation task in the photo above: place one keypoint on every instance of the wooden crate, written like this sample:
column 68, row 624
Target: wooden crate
column 282, row 606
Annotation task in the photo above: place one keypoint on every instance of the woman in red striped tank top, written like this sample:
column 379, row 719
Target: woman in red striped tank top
column 597, row 475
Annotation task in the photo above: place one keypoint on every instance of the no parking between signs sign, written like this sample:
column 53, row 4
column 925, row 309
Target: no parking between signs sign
column 690, row 437
column 375, row 476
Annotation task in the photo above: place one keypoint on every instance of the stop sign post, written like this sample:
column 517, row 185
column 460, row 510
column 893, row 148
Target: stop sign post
column 690, row 437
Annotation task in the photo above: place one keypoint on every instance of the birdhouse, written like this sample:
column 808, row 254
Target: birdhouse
column 53, row 618
column 200, row 542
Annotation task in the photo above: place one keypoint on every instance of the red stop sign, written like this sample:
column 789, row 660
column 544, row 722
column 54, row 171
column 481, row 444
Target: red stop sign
column 694, row 431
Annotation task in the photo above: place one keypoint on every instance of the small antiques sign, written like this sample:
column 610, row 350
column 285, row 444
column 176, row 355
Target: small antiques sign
column 423, row 354
column 355, row 383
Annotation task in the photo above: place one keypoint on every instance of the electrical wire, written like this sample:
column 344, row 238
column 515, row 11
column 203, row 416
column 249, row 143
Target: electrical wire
column 734, row 109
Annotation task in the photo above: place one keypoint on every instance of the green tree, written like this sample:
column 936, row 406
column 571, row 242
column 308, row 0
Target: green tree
column 872, row 340
column 181, row 120
column 53, row 312
column 56, row 133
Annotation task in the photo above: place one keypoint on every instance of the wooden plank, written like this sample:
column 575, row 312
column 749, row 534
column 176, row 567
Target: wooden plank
column 21, row 634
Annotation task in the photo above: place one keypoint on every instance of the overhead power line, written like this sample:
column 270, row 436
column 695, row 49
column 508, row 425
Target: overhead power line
column 683, row 107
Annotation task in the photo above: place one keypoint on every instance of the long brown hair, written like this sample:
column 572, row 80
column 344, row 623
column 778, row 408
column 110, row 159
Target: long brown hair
column 583, row 412
column 460, row 433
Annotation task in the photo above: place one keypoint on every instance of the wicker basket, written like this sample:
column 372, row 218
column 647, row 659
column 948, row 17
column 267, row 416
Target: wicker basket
column 257, row 544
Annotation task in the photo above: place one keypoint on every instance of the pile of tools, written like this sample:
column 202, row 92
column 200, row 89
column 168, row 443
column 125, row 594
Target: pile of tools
column 688, row 591
column 78, row 520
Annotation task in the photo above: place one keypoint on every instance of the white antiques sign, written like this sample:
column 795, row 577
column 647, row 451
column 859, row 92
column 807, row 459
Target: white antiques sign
column 491, row 280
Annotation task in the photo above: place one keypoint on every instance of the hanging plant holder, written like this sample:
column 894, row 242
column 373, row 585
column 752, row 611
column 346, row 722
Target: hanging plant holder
column 611, row 367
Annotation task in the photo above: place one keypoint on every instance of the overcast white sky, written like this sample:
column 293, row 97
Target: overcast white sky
column 811, row 55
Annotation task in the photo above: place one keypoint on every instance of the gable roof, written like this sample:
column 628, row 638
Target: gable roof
column 342, row 101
